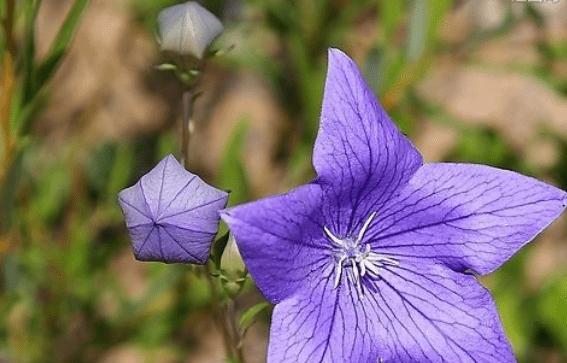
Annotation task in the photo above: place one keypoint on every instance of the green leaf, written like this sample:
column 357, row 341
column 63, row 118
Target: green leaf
column 8, row 192
column 218, row 248
column 552, row 310
column 52, row 192
column 233, row 175
column 391, row 16
column 518, row 326
column 437, row 11
column 425, row 19
column 61, row 43
column 31, row 10
column 417, row 29
column 249, row 316
column 121, row 170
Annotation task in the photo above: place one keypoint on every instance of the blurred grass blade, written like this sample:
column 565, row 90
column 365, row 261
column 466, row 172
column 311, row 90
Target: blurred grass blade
column 8, row 192
column 437, row 12
column 233, row 175
column 121, row 171
column 426, row 17
column 61, row 42
column 31, row 10
column 552, row 309
column 391, row 16
column 417, row 29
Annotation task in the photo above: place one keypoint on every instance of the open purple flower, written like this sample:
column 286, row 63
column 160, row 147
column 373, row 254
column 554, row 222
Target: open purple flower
column 172, row 215
column 373, row 261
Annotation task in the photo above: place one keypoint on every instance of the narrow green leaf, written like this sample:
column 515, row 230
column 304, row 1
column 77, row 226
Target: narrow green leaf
column 61, row 43
column 437, row 11
column 425, row 19
column 8, row 192
column 53, row 192
column 121, row 170
column 552, row 310
column 391, row 16
column 249, row 316
column 31, row 10
column 233, row 175
column 417, row 29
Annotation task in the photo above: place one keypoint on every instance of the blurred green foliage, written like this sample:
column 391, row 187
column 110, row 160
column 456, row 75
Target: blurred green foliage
column 62, row 289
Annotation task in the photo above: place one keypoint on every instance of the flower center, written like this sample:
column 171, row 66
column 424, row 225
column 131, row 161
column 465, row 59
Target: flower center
column 355, row 259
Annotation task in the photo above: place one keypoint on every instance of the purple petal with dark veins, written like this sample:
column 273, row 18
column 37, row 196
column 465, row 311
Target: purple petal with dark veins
column 171, row 214
column 469, row 216
column 359, row 152
column 433, row 314
column 280, row 240
column 325, row 325
column 417, row 312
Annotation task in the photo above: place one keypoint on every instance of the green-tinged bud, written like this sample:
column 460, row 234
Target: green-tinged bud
column 233, row 271
column 188, row 29
column 231, row 264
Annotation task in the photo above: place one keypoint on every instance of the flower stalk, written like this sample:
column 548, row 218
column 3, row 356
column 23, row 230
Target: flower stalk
column 225, row 312
column 186, row 125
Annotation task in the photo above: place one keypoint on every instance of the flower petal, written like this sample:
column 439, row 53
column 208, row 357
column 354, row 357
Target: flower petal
column 469, row 216
column 172, row 215
column 280, row 239
column 135, row 206
column 415, row 312
column 434, row 314
column 358, row 150
column 324, row 325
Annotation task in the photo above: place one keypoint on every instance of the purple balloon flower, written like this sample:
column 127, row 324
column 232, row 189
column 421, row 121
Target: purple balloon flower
column 373, row 261
column 171, row 214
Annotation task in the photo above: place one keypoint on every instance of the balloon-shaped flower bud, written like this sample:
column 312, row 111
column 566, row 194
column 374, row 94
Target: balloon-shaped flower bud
column 232, row 268
column 231, row 262
column 188, row 29
column 172, row 215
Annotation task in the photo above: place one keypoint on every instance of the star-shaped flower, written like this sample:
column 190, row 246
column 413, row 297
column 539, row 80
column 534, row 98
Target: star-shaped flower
column 373, row 261
column 172, row 215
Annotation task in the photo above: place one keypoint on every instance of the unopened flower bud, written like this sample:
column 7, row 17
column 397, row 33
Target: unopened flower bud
column 188, row 28
column 231, row 264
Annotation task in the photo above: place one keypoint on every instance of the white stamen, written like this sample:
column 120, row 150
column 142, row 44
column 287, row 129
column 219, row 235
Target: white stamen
column 339, row 271
column 355, row 273
column 365, row 227
column 372, row 268
column 358, row 256
column 333, row 238
column 362, row 268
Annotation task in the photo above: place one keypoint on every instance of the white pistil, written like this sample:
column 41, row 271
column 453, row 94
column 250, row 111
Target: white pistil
column 360, row 258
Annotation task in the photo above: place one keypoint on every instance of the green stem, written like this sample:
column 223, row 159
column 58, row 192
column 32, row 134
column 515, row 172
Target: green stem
column 222, row 318
column 236, row 336
column 224, row 315
column 186, row 127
